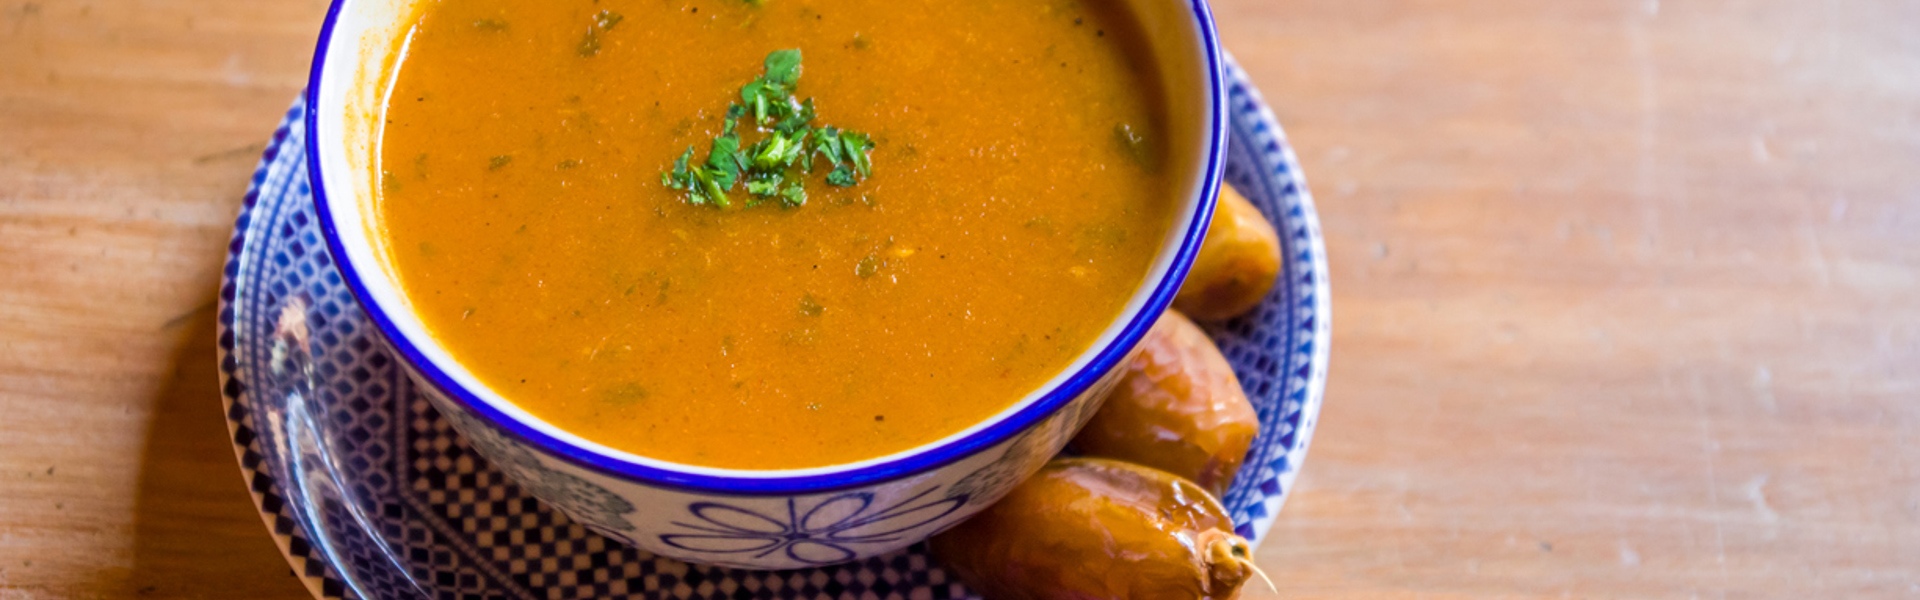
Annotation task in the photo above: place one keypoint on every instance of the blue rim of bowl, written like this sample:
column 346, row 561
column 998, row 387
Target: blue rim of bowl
column 920, row 460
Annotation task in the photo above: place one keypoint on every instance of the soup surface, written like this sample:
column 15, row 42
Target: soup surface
column 1012, row 209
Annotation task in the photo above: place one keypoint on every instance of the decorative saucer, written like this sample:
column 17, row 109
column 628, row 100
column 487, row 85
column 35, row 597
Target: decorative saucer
column 370, row 493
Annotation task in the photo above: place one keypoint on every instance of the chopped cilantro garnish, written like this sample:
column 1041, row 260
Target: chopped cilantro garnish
column 787, row 139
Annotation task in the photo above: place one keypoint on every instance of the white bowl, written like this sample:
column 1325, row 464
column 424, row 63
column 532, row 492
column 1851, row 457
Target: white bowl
column 774, row 519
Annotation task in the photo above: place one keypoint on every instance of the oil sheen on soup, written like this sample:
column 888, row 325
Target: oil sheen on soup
column 1012, row 207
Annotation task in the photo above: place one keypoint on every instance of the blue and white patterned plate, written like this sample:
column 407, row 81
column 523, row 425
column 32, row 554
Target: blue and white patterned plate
column 371, row 494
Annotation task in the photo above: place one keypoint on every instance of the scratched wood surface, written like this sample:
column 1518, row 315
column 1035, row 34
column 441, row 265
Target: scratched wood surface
column 1627, row 294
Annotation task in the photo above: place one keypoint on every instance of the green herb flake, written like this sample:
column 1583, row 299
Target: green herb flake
column 499, row 162
column 798, row 119
column 858, row 147
column 712, row 189
column 868, row 266
column 842, row 176
column 492, row 25
column 603, row 22
column 810, row 307
column 764, row 187
column 783, row 67
column 826, row 142
column 627, row 394
column 607, row 19
column 795, row 196
column 723, row 160
column 805, row 336
column 1133, row 145
column 680, row 177
column 750, row 94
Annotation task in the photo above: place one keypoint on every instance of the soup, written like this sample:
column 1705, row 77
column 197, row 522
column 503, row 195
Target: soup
column 1013, row 205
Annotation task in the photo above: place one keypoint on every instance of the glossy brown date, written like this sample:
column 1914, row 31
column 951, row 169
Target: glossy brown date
column 1178, row 408
column 1098, row 529
column 1238, row 262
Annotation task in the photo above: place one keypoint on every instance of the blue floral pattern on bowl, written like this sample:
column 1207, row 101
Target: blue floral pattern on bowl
column 821, row 535
column 370, row 492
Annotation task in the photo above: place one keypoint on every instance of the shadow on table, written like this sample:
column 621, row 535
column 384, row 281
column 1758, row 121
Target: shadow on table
column 197, row 533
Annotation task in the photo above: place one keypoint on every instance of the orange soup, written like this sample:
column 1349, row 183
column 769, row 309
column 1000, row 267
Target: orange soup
column 1011, row 209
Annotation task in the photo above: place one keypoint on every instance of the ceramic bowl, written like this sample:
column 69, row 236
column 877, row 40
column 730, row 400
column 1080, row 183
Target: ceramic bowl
column 778, row 519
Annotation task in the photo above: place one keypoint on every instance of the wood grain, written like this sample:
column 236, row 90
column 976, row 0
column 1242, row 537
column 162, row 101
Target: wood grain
column 1627, row 294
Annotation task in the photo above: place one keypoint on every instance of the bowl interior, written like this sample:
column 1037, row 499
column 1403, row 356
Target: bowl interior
column 364, row 44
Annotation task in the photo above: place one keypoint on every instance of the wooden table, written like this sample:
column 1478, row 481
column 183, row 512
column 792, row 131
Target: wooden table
column 1627, row 294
